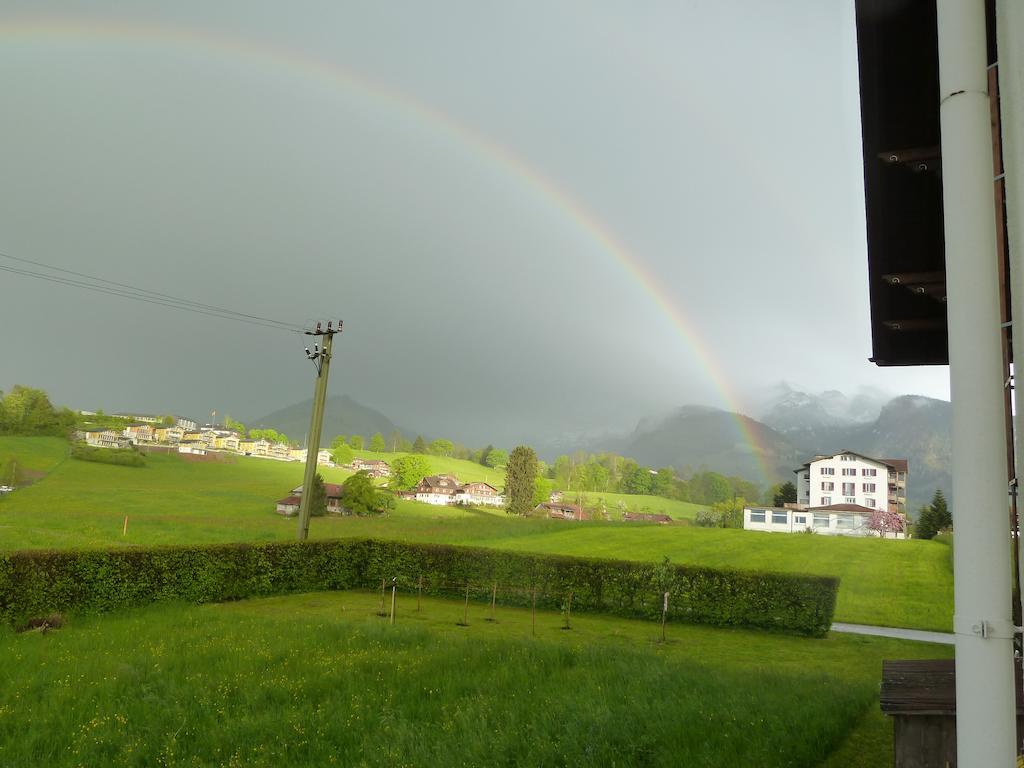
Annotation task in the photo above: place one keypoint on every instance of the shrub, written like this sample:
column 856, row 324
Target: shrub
column 33, row 583
column 120, row 456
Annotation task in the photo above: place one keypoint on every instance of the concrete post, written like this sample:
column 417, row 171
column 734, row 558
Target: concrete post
column 986, row 707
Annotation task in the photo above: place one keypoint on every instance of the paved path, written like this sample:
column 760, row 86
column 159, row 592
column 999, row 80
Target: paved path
column 902, row 634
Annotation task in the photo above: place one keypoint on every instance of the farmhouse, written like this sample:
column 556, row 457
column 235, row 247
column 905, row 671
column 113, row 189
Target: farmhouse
column 437, row 489
column 290, row 504
column 478, row 493
column 372, row 467
column 561, row 511
column 831, row 520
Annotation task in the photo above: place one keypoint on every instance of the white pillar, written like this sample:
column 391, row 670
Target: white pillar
column 1010, row 33
column 986, row 707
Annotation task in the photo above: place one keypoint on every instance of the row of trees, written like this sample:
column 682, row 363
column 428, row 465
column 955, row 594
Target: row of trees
column 359, row 496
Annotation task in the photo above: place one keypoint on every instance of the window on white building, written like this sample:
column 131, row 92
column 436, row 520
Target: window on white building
column 780, row 518
column 800, row 519
column 849, row 471
column 828, row 486
column 851, row 499
column 844, row 522
column 869, row 503
column 826, row 500
column 849, row 489
column 869, row 472
column 757, row 515
column 820, row 521
column 867, row 487
column 828, row 470
column 847, row 457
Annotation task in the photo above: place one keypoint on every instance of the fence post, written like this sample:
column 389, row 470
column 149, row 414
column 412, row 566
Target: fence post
column 394, row 588
column 124, row 531
column 494, row 594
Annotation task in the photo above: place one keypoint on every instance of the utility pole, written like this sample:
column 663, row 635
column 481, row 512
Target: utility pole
column 321, row 357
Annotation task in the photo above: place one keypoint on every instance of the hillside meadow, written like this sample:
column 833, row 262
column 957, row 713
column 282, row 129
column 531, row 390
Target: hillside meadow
column 173, row 501
column 321, row 679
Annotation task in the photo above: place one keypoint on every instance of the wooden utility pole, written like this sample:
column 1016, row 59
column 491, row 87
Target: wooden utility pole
column 321, row 358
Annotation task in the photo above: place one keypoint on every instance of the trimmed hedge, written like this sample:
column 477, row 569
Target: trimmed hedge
column 37, row 582
column 123, row 457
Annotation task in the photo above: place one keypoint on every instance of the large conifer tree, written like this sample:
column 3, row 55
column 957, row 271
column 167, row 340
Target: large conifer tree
column 520, row 477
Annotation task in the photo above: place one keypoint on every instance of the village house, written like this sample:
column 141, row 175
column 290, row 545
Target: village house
column 196, row 447
column 169, row 434
column 561, row 511
column 372, row 467
column 140, row 433
column 323, row 456
column 278, row 451
column 105, row 438
column 290, row 504
column 226, row 443
column 437, row 489
column 479, row 494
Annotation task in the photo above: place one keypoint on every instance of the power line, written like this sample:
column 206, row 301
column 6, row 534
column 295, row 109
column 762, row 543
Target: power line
column 125, row 290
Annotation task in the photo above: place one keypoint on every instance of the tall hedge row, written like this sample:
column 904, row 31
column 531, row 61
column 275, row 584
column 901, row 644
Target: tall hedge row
column 36, row 582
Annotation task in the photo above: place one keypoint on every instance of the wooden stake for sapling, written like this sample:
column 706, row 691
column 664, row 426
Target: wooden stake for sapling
column 394, row 587
column 535, row 610
column 494, row 595
column 664, row 614
column 124, row 531
column 465, row 615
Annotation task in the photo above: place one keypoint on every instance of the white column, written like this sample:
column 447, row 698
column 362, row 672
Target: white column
column 1010, row 29
column 986, row 721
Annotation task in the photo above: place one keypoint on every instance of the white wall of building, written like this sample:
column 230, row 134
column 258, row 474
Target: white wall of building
column 776, row 520
column 845, row 478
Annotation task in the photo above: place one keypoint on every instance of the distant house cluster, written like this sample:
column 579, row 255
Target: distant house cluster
column 839, row 495
column 289, row 505
column 446, row 489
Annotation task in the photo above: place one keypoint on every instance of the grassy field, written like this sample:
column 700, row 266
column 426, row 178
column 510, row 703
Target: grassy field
column 319, row 679
column 466, row 471
column 894, row 583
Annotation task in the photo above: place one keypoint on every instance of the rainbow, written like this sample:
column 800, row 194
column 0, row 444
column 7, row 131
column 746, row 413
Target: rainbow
column 33, row 30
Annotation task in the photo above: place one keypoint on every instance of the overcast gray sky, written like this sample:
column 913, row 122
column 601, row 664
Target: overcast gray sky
column 533, row 217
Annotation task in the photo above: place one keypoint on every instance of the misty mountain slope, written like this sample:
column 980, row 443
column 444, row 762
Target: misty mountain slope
column 342, row 416
column 789, row 409
column 697, row 437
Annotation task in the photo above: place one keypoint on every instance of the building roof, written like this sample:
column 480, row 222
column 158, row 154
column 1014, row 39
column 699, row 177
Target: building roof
column 289, row 500
column 333, row 490
column 477, row 482
column 891, row 463
column 441, row 482
column 843, row 508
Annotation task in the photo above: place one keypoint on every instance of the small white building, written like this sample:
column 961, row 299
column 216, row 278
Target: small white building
column 479, row 494
column 832, row 520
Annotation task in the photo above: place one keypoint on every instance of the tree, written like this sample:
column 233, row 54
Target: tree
column 636, row 480
column 496, row 458
column 395, row 441
column 785, row 494
column 356, row 441
column 482, row 459
column 27, row 411
column 407, row 471
column 359, row 496
column 342, row 454
column 541, row 491
column 419, row 445
column 520, row 476
column 339, row 440
column 377, row 444
column 441, row 447
column 925, row 526
column 883, row 521
column 235, row 426
column 943, row 518
column 318, row 497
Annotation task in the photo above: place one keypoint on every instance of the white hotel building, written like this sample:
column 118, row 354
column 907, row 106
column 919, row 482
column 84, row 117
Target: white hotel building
column 836, row 495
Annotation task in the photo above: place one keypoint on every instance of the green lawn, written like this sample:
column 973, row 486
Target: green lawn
column 39, row 455
column 616, row 502
column 895, row 583
column 319, row 679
